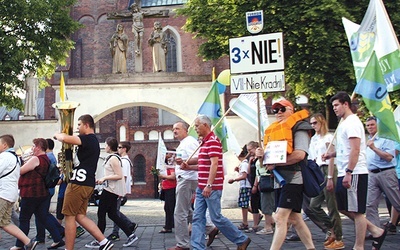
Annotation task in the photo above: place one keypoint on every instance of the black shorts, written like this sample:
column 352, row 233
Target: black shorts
column 290, row 196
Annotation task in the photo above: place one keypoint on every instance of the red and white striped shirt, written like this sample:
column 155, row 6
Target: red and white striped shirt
column 210, row 147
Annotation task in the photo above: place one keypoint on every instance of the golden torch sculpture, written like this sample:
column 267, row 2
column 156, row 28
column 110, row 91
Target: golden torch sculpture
column 66, row 111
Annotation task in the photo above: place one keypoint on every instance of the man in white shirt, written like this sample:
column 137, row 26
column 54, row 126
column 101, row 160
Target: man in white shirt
column 9, row 175
column 352, row 183
column 186, row 185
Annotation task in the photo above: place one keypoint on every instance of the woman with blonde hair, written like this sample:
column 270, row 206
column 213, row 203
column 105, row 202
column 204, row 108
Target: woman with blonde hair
column 318, row 146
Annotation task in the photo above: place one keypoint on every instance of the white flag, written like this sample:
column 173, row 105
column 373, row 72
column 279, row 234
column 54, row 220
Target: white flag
column 161, row 153
column 375, row 33
column 245, row 106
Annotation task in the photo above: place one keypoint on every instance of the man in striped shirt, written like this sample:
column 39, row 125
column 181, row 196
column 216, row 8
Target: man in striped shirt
column 209, row 190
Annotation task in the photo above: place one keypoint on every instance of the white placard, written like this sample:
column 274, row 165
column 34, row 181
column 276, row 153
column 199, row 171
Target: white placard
column 275, row 152
column 255, row 83
column 260, row 53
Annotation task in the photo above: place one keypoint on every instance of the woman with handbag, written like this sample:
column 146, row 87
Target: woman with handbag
column 265, row 183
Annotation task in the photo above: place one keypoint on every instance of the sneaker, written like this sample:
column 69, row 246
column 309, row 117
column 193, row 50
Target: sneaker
column 32, row 245
column 107, row 246
column 93, row 244
column 265, row 232
column 337, row 244
column 131, row 239
column 79, row 231
column 113, row 237
column 134, row 227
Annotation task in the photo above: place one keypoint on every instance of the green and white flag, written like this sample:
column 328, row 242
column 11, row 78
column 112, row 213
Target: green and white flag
column 375, row 34
column 212, row 108
column 375, row 96
column 245, row 106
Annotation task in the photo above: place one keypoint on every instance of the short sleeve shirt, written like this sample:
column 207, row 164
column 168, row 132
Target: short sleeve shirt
column 85, row 162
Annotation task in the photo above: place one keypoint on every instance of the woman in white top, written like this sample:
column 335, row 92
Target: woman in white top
column 318, row 146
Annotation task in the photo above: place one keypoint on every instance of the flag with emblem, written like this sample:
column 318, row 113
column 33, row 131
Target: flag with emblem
column 372, row 87
column 375, row 34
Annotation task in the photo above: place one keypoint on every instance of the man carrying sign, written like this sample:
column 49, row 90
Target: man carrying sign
column 291, row 128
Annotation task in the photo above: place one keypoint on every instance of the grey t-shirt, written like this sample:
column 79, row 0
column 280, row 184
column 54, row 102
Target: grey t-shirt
column 301, row 142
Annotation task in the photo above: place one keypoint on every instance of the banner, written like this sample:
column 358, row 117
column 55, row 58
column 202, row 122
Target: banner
column 213, row 109
column 375, row 34
column 161, row 153
column 245, row 106
column 375, row 96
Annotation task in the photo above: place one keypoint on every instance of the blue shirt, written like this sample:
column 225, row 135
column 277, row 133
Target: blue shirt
column 373, row 159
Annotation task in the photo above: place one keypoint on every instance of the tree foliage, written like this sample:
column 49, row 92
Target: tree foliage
column 317, row 56
column 34, row 37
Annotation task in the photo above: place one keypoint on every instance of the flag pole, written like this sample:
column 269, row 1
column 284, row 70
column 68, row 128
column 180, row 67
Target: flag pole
column 258, row 119
column 212, row 130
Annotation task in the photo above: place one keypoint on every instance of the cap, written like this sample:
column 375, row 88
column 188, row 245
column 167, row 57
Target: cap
column 284, row 103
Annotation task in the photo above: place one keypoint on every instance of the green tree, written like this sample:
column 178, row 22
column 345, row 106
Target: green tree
column 317, row 56
column 34, row 37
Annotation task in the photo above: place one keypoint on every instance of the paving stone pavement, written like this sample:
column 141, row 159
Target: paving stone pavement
column 149, row 214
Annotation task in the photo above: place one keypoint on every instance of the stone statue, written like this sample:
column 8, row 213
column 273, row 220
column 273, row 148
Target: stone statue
column 31, row 95
column 158, row 42
column 119, row 47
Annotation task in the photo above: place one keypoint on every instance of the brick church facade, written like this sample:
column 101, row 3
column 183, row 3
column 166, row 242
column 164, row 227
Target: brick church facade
column 91, row 58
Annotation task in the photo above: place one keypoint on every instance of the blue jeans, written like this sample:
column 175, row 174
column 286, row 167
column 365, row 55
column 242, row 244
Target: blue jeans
column 40, row 229
column 39, row 207
column 213, row 203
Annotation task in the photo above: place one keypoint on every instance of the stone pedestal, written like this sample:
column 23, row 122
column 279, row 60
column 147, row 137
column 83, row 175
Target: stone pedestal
column 138, row 63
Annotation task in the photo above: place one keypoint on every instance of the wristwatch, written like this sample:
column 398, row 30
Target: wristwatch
column 209, row 185
column 330, row 177
column 349, row 171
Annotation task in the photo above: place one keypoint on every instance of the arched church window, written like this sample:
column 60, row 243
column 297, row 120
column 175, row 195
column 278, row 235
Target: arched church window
column 139, row 169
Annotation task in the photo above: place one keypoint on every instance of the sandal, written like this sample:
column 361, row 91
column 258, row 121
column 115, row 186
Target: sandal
column 165, row 231
column 243, row 226
column 377, row 242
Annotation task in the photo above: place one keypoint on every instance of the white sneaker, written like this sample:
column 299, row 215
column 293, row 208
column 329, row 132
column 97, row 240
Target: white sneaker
column 93, row 244
column 131, row 239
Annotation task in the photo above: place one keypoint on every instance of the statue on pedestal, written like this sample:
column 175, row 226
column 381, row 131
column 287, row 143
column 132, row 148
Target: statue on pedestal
column 31, row 95
column 119, row 47
column 158, row 42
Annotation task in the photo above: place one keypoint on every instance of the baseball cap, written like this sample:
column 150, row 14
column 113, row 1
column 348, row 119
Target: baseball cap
column 283, row 103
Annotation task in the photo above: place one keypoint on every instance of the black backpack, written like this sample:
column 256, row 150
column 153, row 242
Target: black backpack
column 53, row 176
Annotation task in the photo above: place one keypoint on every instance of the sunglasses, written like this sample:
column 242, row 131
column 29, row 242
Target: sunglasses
column 282, row 109
column 120, row 147
column 313, row 123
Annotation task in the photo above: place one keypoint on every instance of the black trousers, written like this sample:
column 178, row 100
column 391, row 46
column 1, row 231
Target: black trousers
column 169, row 208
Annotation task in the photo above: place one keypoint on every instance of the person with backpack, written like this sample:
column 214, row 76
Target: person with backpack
column 34, row 194
column 291, row 127
column 9, row 174
column 114, row 188
column 123, row 149
column 40, row 229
